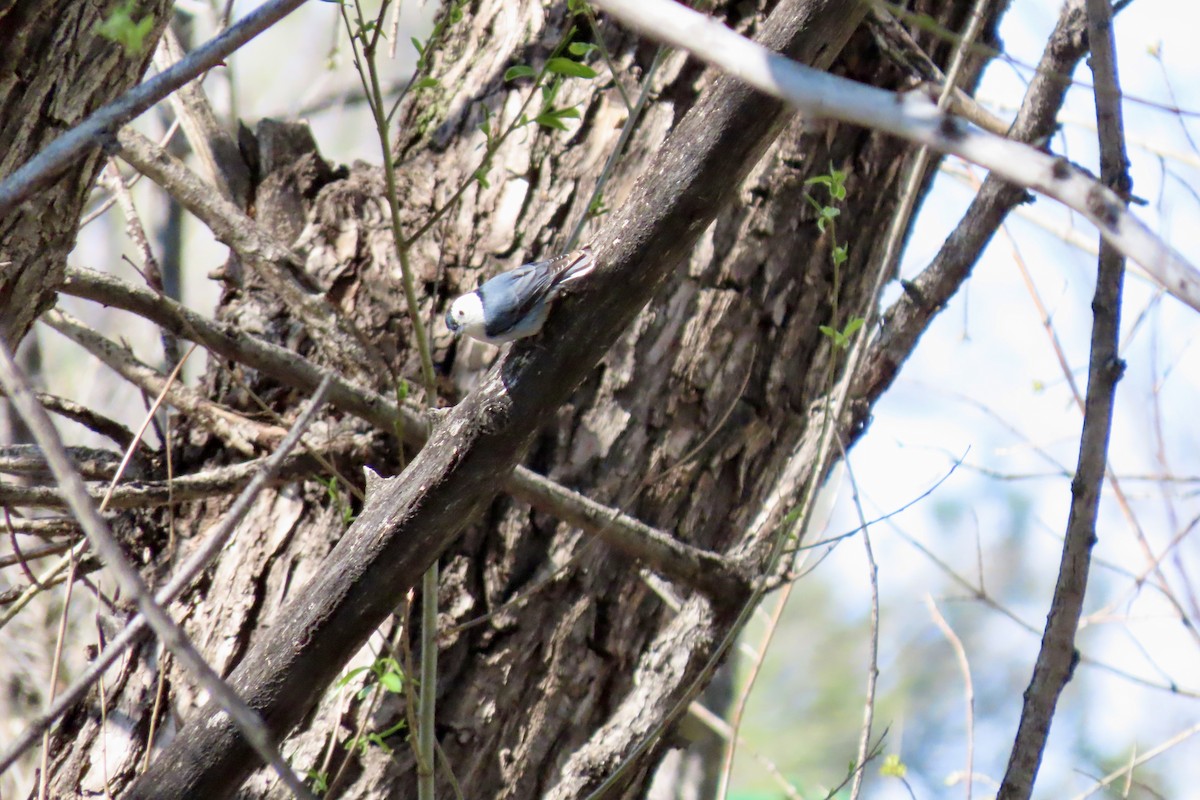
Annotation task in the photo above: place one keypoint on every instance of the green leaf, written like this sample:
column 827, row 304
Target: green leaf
column 349, row 676
column 392, row 681
column 122, row 28
column 569, row 68
column 420, row 47
column 852, row 327
column 425, row 83
column 519, row 71
column 582, row 49
column 828, row 331
column 481, row 178
column 548, row 119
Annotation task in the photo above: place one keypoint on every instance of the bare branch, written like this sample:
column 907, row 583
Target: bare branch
column 151, row 608
column 42, row 170
column 1057, row 657
column 663, row 553
column 239, row 432
column 214, row 145
column 88, row 418
column 925, row 296
column 658, row 549
column 912, row 116
column 196, row 486
column 27, row 459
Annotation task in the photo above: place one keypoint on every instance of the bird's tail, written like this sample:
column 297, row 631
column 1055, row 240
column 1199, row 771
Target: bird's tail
column 575, row 264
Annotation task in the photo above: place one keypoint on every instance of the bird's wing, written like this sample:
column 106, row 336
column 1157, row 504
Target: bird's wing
column 531, row 282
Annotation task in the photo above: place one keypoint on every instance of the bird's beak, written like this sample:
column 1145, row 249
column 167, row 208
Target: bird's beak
column 450, row 323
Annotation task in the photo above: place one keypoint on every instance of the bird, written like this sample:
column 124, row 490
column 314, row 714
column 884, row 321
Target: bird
column 515, row 304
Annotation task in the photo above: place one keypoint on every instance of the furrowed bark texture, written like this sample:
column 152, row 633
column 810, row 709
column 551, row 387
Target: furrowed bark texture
column 55, row 70
column 686, row 423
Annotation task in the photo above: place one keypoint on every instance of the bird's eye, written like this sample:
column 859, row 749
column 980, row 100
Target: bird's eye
column 460, row 313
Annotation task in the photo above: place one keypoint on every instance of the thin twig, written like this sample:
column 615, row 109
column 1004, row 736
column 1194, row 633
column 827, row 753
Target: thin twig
column 1145, row 757
column 55, row 663
column 864, row 741
column 964, row 666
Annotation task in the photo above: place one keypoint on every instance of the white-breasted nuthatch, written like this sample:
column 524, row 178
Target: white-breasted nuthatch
column 515, row 304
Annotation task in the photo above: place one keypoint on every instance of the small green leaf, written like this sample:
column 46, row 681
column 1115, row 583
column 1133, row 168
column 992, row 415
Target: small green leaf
column 828, row 331
column 420, row 47
column 852, row 327
column 392, row 681
column 481, row 178
column 569, row 68
column 582, row 49
column 456, row 14
column 349, row 676
column 122, row 28
column 425, row 83
column 519, row 71
column 550, row 119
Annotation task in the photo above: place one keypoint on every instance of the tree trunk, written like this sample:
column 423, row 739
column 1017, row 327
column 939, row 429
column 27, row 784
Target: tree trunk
column 687, row 424
column 56, row 70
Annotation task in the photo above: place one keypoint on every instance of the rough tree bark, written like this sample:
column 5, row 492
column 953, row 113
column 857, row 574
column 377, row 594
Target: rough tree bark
column 55, row 71
column 686, row 423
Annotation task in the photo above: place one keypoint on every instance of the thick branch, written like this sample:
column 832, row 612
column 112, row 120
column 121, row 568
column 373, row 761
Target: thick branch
column 410, row 520
column 662, row 552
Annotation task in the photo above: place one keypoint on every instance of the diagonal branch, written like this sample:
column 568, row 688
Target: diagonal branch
column 927, row 294
column 239, row 432
column 278, row 266
column 663, row 553
column 106, row 546
column 409, row 521
column 912, row 116
column 42, row 170
column 213, row 543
